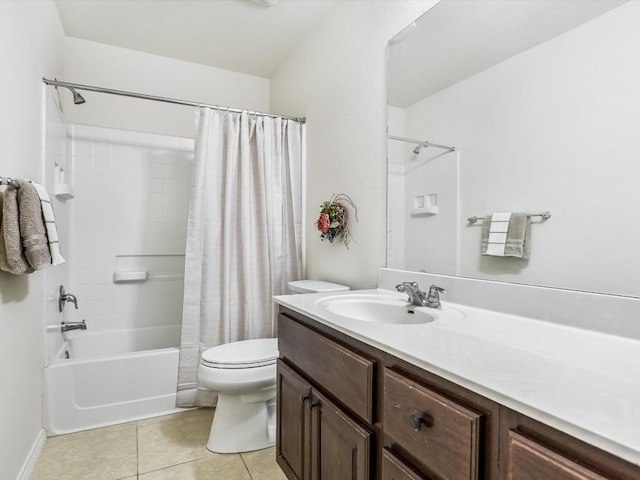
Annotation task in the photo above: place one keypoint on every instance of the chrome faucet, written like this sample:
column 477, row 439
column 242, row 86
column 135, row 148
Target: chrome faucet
column 67, row 326
column 418, row 297
column 64, row 297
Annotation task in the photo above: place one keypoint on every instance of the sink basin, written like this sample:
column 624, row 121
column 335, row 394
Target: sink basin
column 377, row 309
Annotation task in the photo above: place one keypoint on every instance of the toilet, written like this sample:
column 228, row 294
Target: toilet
column 244, row 375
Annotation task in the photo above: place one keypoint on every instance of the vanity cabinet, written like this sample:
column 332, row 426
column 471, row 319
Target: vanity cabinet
column 318, row 439
column 347, row 410
column 321, row 437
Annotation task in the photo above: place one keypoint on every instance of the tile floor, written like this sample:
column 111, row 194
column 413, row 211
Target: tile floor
column 171, row 447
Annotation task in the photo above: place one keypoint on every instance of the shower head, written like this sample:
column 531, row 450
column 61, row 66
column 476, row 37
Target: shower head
column 420, row 146
column 77, row 98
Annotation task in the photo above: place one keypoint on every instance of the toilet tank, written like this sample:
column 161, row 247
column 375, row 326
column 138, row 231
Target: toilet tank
column 314, row 286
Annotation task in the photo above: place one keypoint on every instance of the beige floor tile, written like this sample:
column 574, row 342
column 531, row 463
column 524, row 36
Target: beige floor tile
column 101, row 454
column 173, row 416
column 214, row 467
column 175, row 440
column 262, row 464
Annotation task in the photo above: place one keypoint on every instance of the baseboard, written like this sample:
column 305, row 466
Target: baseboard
column 34, row 454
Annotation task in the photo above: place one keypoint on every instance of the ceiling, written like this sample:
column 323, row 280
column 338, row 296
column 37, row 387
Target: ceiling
column 238, row 35
column 459, row 38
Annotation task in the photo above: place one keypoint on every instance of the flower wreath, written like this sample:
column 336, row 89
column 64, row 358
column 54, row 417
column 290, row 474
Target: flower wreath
column 333, row 221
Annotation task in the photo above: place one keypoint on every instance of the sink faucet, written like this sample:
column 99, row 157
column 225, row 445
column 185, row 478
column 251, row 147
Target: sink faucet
column 67, row 326
column 418, row 297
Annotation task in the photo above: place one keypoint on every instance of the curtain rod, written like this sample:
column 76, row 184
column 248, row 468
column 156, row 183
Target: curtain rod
column 144, row 96
column 421, row 143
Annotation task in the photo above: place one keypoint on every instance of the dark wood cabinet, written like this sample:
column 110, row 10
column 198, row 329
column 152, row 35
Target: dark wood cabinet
column 294, row 423
column 530, row 460
column 340, row 448
column 532, row 450
column 325, row 407
column 348, row 411
column 395, row 469
column 440, row 435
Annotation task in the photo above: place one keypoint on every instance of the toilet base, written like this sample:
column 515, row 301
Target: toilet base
column 242, row 423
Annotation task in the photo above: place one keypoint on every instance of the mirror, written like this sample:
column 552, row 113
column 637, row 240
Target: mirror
column 541, row 101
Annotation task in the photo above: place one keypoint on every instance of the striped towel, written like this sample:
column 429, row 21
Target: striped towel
column 50, row 224
column 506, row 234
column 498, row 229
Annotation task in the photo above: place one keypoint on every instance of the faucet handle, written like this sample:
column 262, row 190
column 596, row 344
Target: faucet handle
column 64, row 297
column 433, row 297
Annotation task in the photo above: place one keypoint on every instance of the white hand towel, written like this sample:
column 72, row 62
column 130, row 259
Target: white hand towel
column 498, row 229
column 50, row 224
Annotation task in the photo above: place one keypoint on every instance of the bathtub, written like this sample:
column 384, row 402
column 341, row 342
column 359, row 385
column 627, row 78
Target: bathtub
column 111, row 377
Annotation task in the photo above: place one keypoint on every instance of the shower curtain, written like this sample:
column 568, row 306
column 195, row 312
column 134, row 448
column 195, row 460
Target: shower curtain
column 243, row 235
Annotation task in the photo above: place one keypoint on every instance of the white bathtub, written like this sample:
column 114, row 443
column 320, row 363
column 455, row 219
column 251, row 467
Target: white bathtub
column 112, row 377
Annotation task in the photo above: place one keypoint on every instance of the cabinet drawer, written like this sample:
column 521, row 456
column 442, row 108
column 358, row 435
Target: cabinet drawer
column 529, row 460
column 347, row 375
column 439, row 434
column 395, row 469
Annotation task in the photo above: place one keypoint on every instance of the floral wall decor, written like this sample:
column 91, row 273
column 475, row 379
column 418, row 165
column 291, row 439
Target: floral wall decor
column 333, row 222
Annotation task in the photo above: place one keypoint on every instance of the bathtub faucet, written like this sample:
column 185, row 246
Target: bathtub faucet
column 66, row 326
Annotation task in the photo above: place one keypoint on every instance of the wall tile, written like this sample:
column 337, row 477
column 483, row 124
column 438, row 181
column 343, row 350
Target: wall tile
column 132, row 199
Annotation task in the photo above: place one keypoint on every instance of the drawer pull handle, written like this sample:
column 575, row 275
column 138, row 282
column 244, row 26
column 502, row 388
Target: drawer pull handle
column 418, row 419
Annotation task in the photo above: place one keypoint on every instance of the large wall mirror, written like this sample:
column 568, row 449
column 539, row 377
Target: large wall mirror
column 541, row 101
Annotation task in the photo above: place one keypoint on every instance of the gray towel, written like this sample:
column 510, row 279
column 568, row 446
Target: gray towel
column 518, row 242
column 12, row 257
column 32, row 229
column 24, row 246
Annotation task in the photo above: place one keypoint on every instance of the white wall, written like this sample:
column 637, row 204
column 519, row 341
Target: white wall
column 96, row 64
column 337, row 79
column 551, row 129
column 31, row 46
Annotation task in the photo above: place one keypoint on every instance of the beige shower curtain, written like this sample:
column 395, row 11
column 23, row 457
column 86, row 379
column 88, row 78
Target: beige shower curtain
column 243, row 235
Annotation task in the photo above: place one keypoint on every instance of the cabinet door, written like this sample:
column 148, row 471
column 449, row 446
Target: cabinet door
column 529, row 460
column 340, row 448
column 293, row 422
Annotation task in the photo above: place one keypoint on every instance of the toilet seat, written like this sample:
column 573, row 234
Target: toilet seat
column 243, row 354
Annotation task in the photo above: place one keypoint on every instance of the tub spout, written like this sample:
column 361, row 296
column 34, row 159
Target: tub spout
column 66, row 326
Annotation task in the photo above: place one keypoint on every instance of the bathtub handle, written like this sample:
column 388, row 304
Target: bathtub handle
column 64, row 297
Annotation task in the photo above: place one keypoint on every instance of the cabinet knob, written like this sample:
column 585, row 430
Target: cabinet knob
column 418, row 419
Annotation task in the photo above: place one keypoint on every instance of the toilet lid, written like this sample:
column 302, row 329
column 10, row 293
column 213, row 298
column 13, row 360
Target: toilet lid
column 242, row 354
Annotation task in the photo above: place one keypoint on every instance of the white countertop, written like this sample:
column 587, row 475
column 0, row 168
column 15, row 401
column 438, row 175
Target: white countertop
column 584, row 383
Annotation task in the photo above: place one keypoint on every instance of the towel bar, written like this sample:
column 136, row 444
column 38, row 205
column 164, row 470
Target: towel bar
column 5, row 181
column 544, row 215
